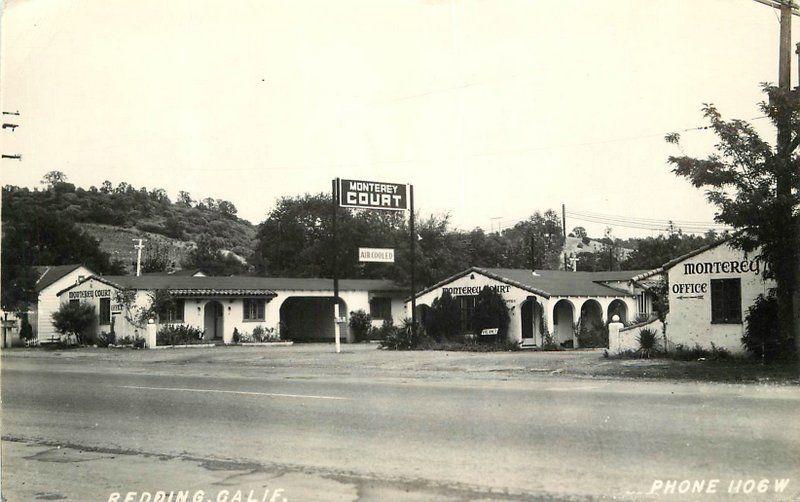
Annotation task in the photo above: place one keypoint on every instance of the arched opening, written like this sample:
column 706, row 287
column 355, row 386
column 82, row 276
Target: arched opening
column 563, row 314
column 213, row 321
column 618, row 307
column 531, row 320
column 592, row 332
column 311, row 319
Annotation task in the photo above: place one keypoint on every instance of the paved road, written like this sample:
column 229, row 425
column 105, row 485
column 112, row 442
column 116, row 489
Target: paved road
column 82, row 435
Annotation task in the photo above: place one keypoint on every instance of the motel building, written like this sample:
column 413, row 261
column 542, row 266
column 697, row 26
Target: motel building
column 709, row 290
column 546, row 301
column 298, row 309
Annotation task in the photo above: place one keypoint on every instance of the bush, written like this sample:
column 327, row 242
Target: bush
column 443, row 320
column 105, row 339
column 490, row 312
column 648, row 342
column 236, row 337
column 471, row 345
column 403, row 338
column 74, row 319
column 386, row 329
column 762, row 336
column 25, row 329
column 179, row 334
column 592, row 335
column 261, row 334
column 682, row 353
column 360, row 325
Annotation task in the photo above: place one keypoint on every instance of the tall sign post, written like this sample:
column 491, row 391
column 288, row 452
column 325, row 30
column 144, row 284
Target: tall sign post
column 413, row 262
column 335, row 260
column 373, row 195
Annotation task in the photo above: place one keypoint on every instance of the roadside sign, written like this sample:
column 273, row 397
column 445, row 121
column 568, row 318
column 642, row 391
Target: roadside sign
column 489, row 331
column 381, row 255
column 373, row 195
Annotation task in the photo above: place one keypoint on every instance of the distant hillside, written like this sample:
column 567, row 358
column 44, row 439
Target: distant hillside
column 116, row 215
column 576, row 245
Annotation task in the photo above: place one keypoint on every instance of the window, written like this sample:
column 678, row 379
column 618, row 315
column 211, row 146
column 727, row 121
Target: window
column 253, row 309
column 176, row 314
column 467, row 308
column 726, row 301
column 105, row 311
column 642, row 301
column 380, row 308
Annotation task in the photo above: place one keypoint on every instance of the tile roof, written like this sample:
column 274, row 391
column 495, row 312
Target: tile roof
column 48, row 274
column 238, row 285
column 549, row 283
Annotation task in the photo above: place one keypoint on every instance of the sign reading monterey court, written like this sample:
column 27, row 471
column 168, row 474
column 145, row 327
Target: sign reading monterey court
column 373, row 195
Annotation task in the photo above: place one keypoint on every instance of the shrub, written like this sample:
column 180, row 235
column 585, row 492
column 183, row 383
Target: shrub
column 548, row 343
column 236, row 337
column 179, row 334
column 261, row 334
column 386, row 329
column 25, row 329
column 681, row 353
column 403, row 338
column 443, row 320
column 592, row 335
column 105, row 339
column 74, row 319
column 360, row 325
column 762, row 336
column 648, row 342
column 490, row 312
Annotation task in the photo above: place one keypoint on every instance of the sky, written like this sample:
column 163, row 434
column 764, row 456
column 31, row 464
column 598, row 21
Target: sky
column 492, row 110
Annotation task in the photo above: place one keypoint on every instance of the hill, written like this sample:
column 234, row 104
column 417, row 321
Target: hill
column 117, row 215
column 573, row 246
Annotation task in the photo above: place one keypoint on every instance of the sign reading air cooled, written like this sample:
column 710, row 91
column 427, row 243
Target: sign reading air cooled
column 373, row 195
column 382, row 255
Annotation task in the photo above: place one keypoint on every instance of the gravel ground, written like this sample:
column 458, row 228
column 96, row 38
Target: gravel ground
column 365, row 360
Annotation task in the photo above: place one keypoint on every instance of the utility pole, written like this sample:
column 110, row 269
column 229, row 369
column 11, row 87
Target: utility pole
column 8, row 117
column 564, row 232
column 138, row 246
column 783, row 180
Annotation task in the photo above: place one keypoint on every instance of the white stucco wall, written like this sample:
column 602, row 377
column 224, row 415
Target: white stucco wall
column 628, row 337
column 513, row 296
column 689, row 318
column 48, row 302
column 233, row 309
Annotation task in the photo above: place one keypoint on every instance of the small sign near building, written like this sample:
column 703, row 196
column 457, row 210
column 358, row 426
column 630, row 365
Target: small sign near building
column 373, row 195
column 489, row 331
column 380, row 255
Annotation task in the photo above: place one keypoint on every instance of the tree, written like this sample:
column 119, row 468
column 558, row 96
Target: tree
column 52, row 178
column 156, row 257
column 490, row 312
column 226, row 208
column 209, row 256
column 443, row 319
column 751, row 184
column 185, row 199
column 579, row 232
column 35, row 236
column 74, row 319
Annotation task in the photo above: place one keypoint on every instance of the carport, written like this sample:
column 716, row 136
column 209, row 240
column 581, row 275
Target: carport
column 310, row 319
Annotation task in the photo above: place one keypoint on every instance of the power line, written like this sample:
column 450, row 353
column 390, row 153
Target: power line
column 639, row 219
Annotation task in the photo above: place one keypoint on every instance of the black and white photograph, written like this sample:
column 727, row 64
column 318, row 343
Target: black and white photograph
column 399, row 250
